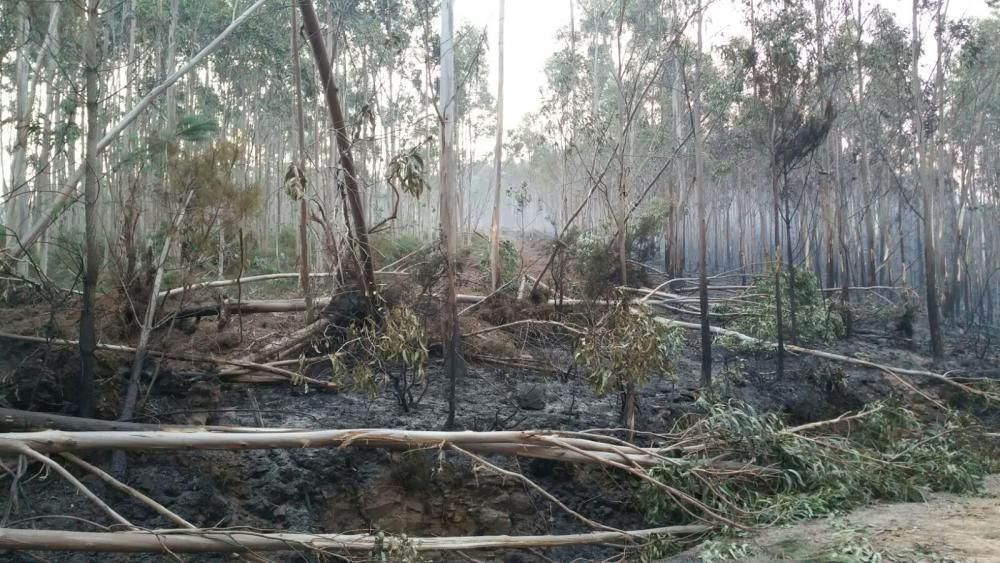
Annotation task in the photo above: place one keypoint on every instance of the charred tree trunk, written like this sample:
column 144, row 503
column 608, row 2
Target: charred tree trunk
column 358, row 225
column 303, row 199
column 88, row 335
column 699, row 166
column 450, row 333
column 926, row 196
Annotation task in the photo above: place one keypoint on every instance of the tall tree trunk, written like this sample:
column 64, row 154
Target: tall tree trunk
column 88, row 335
column 450, row 334
column 303, row 198
column 677, row 210
column 789, row 252
column 171, row 55
column 18, row 196
column 46, row 168
column 497, row 162
column 779, row 320
column 926, row 195
column 358, row 224
column 699, row 167
column 841, row 217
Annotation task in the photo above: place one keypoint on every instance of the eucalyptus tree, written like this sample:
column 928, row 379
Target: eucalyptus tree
column 976, row 110
column 447, row 116
column 789, row 121
column 699, row 163
column 28, row 75
column 924, row 180
column 497, row 164
column 296, row 170
column 88, row 333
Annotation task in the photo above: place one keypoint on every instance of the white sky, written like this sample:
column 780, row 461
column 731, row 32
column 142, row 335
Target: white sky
column 531, row 27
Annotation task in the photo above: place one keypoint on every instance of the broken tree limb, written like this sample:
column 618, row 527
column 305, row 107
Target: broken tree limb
column 249, row 279
column 116, row 484
column 120, row 349
column 245, row 541
column 236, row 307
column 534, row 444
column 144, row 499
column 520, row 477
column 65, row 474
column 68, row 191
column 263, row 277
column 13, row 419
column 533, row 322
column 242, row 307
column 356, row 226
column 830, row 356
column 293, row 340
column 118, row 461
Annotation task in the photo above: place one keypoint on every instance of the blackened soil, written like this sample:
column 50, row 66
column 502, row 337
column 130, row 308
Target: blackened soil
column 420, row 493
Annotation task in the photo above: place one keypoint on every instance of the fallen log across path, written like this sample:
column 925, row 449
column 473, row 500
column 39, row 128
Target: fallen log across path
column 247, row 541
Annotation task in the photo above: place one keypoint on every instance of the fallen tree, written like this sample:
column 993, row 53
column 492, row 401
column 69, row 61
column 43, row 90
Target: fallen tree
column 258, row 306
column 247, row 307
column 14, row 419
column 238, row 281
column 248, row 541
column 534, row 444
column 832, row 357
column 276, row 374
column 254, row 279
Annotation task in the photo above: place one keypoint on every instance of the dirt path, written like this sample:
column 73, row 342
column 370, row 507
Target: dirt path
column 945, row 528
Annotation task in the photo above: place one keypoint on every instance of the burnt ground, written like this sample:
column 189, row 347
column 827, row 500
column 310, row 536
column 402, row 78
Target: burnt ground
column 417, row 493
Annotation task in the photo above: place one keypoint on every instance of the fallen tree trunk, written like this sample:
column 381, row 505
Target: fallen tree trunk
column 532, row 444
column 241, row 307
column 234, row 307
column 252, row 279
column 14, row 419
column 220, row 541
column 284, row 374
column 226, row 283
column 828, row 356
column 292, row 341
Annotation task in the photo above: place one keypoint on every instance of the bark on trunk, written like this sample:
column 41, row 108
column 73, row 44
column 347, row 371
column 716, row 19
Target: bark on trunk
column 497, row 161
column 357, row 225
column 88, row 335
column 452, row 337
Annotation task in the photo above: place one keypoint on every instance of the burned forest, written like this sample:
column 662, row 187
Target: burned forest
column 499, row 280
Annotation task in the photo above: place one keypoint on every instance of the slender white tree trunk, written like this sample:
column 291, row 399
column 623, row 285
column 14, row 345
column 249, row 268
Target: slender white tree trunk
column 88, row 336
column 449, row 175
column 699, row 166
column 497, row 163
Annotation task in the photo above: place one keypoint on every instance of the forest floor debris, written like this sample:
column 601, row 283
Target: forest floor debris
column 419, row 493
